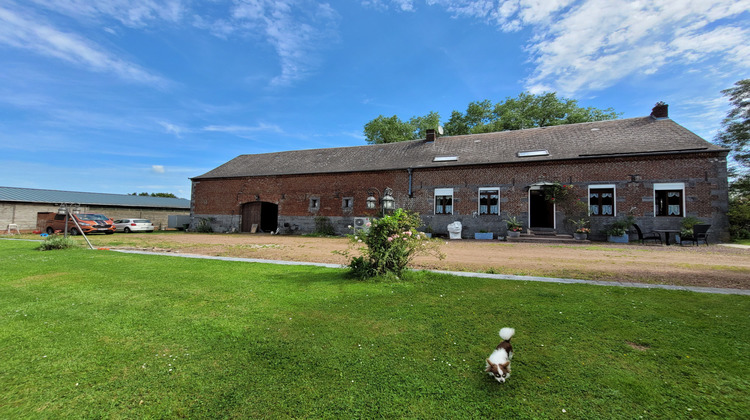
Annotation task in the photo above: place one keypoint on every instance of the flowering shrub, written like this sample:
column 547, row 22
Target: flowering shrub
column 557, row 191
column 390, row 244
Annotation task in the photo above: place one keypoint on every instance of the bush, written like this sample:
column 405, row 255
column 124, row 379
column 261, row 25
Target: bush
column 390, row 244
column 204, row 226
column 57, row 242
column 323, row 226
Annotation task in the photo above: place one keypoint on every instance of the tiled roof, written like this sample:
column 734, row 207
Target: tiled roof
column 625, row 137
column 30, row 195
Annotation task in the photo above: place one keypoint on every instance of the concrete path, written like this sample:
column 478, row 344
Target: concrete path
column 714, row 290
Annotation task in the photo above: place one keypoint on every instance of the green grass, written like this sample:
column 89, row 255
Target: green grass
column 101, row 334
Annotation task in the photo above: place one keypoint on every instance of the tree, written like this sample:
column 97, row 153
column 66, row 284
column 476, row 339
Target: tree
column 739, row 208
column 735, row 134
column 525, row 111
column 145, row 194
column 388, row 130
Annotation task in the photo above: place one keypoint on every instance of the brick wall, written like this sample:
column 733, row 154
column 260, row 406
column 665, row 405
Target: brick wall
column 704, row 176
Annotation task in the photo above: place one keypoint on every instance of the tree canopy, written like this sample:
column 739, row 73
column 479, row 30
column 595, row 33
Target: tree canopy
column 525, row 111
column 145, row 194
column 735, row 133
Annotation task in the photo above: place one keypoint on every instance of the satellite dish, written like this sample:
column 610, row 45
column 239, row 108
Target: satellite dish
column 440, row 130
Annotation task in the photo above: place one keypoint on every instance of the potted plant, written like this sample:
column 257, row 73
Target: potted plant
column 514, row 227
column 582, row 231
column 686, row 227
column 618, row 232
column 428, row 231
column 483, row 234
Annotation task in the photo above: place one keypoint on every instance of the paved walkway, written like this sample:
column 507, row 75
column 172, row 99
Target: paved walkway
column 714, row 290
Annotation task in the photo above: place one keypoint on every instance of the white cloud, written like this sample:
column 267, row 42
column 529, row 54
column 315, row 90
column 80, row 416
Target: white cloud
column 157, row 169
column 38, row 37
column 586, row 45
column 131, row 13
column 297, row 29
column 243, row 129
column 172, row 128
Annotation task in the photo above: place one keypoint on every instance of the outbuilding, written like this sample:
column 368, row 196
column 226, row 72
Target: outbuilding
column 19, row 206
column 649, row 167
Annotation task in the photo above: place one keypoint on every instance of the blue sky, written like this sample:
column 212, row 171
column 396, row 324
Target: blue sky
column 125, row 96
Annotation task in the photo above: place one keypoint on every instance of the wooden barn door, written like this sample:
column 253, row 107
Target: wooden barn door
column 251, row 215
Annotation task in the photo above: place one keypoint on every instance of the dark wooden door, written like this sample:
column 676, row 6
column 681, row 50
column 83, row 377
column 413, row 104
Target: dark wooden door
column 251, row 215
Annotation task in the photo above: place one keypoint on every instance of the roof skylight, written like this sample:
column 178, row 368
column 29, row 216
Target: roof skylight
column 445, row 159
column 532, row 153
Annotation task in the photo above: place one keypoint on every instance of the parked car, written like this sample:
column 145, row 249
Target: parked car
column 133, row 225
column 52, row 222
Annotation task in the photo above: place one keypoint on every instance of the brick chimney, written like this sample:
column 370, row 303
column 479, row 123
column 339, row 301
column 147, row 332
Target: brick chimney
column 430, row 135
column 660, row 110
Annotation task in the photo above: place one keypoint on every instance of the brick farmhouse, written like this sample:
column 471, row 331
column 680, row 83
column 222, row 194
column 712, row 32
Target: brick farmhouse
column 648, row 167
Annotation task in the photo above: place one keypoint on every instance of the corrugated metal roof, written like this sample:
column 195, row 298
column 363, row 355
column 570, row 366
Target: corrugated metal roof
column 30, row 195
column 573, row 141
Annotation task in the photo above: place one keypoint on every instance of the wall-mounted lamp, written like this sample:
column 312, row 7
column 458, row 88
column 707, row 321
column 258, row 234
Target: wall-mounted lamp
column 386, row 199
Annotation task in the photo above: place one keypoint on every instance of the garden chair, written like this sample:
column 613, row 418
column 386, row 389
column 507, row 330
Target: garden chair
column 650, row 236
column 700, row 233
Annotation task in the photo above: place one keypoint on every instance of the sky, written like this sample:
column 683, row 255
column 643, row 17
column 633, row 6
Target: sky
column 124, row 96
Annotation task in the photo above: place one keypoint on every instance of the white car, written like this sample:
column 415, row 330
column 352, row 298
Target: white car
column 133, row 225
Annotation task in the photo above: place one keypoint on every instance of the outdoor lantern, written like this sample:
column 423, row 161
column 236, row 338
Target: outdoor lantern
column 389, row 203
column 371, row 202
column 62, row 210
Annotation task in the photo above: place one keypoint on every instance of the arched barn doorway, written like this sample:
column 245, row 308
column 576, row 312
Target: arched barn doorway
column 260, row 213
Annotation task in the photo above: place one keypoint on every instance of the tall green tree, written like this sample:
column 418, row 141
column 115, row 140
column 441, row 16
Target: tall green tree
column 525, row 111
column 388, row 130
column 735, row 133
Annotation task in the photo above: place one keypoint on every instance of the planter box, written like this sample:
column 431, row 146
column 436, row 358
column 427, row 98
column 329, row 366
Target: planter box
column 618, row 239
column 514, row 234
column 580, row 236
column 483, row 235
column 428, row 234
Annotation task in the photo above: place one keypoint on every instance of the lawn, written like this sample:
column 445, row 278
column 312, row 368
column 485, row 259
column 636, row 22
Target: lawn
column 102, row 334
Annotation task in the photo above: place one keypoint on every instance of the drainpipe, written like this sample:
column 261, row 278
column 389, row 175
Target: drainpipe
column 411, row 195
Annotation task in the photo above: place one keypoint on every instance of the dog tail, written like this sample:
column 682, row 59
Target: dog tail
column 506, row 333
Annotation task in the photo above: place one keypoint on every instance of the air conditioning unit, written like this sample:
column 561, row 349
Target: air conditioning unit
column 361, row 223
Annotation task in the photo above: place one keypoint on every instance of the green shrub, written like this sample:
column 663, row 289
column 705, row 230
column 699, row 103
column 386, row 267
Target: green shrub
column 57, row 242
column 389, row 245
column 204, row 226
column 323, row 226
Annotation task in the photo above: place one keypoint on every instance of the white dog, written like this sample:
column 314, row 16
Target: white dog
column 498, row 364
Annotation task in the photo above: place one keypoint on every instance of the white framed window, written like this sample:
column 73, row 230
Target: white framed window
column 669, row 199
column 443, row 200
column 602, row 200
column 489, row 201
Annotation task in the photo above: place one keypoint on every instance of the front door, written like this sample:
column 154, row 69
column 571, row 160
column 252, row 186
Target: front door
column 541, row 211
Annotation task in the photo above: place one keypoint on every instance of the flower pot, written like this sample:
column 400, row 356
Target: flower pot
column 428, row 234
column 514, row 234
column 483, row 235
column 618, row 239
column 580, row 236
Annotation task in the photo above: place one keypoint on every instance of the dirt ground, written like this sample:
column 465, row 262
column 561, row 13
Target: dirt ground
column 712, row 266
